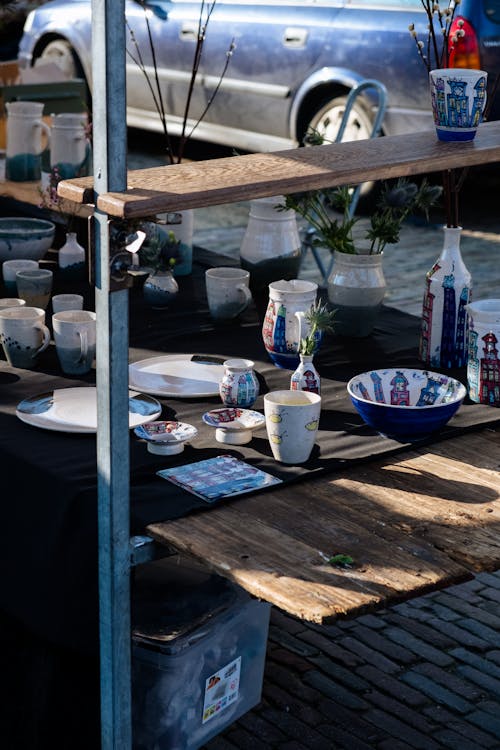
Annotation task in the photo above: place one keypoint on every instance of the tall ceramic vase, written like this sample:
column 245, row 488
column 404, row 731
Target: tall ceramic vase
column 356, row 290
column 443, row 336
column 181, row 223
column 271, row 246
column 71, row 259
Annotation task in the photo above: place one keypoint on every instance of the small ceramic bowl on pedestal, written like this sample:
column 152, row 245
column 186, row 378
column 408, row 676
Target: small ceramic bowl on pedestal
column 166, row 438
column 234, row 426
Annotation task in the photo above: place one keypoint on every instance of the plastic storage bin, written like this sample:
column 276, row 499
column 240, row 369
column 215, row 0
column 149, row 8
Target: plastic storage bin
column 198, row 655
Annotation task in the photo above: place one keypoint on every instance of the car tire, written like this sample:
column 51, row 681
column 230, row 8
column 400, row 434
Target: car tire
column 60, row 52
column 327, row 119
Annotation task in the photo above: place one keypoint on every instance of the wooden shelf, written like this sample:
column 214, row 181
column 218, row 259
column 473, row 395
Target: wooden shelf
column 219, row 181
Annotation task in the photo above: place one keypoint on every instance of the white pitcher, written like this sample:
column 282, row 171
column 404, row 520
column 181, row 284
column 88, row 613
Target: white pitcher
column 483, row 359
column 70, row 146
column 24, row 141
column 284, row 322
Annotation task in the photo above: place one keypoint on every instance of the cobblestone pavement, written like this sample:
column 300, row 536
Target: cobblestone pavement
column 423, row 674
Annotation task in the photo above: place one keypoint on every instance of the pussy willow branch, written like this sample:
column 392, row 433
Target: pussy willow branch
column 206, row 10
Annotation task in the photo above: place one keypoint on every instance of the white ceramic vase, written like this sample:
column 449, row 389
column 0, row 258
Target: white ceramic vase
column 483, row 358
column 443, row 336
column 160, row 289
column 181, row 223
column 71, row 258
column 306, row 376
column 356, row 290
column 271, row 246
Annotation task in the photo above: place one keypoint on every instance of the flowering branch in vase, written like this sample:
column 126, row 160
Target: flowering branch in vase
column 206, row 10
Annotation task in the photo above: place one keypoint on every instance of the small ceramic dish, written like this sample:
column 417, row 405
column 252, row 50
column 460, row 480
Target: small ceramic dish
column 166, row 437
column 234, row 426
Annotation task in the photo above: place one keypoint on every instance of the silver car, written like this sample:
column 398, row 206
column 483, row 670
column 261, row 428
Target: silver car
column 294, row 62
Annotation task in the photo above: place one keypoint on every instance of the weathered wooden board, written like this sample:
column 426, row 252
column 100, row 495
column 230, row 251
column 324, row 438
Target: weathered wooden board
column 220, row 181
column 412, row 524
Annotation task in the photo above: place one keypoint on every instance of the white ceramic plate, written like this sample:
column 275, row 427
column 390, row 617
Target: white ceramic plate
column 75, row 410
column 176, row 375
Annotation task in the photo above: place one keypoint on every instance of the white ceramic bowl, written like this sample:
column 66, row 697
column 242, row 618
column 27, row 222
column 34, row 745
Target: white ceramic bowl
column 25, row 238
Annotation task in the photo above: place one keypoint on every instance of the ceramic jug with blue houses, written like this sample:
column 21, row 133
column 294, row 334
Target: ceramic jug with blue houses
column 284, row 322
column 443, row 335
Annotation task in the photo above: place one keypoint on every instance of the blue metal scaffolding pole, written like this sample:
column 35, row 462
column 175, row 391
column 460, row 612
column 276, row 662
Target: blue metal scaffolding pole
column 110, row 174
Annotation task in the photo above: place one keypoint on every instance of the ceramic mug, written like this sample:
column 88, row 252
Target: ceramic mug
column 292, row 420
column 70, row 146
column 75, row 339
column 9, row 270
column 35, row 286
column 228, row 292
column 458, row 98
column 61, row 302
column 25, row 126
column 11, row 302
column 23, row 335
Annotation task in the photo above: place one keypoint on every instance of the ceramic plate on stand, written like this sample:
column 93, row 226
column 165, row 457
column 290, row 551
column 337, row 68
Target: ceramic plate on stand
column 166, row 438
column 177, row 375
column 234, row 426
column 75, row 410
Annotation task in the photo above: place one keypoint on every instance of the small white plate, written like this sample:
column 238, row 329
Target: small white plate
column 234, row 425
column 176, row 375
column 75, row 410
column 166, row 437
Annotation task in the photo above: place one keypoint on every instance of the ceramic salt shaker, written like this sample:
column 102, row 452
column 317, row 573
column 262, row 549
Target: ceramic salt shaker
column 239, row 385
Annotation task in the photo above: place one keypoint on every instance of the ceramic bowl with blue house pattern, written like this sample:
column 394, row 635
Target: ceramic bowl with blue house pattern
column 405, row 404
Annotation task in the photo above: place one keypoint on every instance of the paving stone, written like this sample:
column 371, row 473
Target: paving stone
column 297, row 645
column 333, row 690
column 401, row 731
column 480, row 614
column 370, row 656
column 461, row 726
column 453, row 740
column 332, row 648
column 290, row 682
column 265, row 731
column 491, row 593
column 372, row 621
column 281, row 699
column 451, row 681
column 393, row 686
column 437, row 692
column 379, row 642
column 493, row 655
column 444, row 613
column 481, row 630
column 397, row 708
column 488, row 579
column 425, row 632
column 486, row 722
column 339, row 738
column 417, row 646
column 352, row 720
column 341, row 675
column 287, row 658
column 287, row 622
column 295, row 729
column 244, row 740
column 479, row 662
column 220, row 743
column 480, row 678
column 459, row 634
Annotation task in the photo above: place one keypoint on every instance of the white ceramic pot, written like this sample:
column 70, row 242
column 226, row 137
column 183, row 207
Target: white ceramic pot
column 356, row 290
column 284, row 323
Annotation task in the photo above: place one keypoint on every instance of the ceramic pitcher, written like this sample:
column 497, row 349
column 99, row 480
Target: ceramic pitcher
column 483, row 358
column 25, row 126
column 284, row 322
column 70, row 146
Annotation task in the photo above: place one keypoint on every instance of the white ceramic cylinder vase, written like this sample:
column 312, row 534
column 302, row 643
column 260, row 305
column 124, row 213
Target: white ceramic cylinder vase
column 271, row 246
column 306, row 376
column 483, row 358
column 71, row 258
column 356, row 290
column 443, row 336
column 181, row 223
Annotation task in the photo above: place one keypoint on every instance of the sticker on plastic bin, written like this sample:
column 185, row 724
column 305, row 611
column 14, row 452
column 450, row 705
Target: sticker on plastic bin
column 221, row 689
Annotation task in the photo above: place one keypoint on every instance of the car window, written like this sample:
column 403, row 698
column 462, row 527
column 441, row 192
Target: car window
column 492, row 10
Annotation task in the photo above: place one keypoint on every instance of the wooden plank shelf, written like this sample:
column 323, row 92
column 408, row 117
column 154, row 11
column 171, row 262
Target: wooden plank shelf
column 220, row 181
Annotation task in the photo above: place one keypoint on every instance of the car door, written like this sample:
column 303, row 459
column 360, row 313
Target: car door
column 167, row 59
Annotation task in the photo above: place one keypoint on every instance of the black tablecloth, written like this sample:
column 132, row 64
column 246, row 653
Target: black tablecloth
column 49, row 528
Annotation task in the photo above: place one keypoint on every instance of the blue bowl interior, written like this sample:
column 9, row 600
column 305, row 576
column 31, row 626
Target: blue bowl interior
column 20, row 228
column 405, row 403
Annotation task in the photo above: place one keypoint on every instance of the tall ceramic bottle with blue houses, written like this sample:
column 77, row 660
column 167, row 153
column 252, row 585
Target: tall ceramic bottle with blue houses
column 443, row 336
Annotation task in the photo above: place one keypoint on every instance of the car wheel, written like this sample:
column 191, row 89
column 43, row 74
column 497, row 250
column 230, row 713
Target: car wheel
column 60, row 52
column 326, row 121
